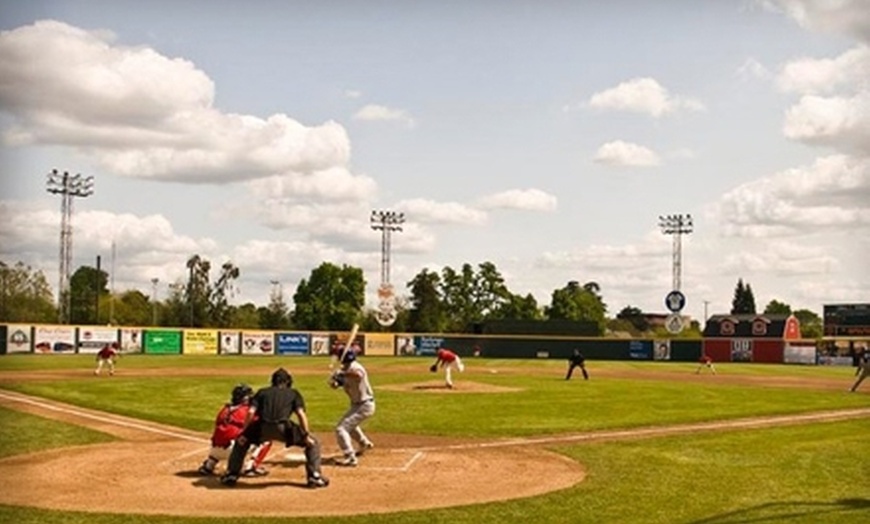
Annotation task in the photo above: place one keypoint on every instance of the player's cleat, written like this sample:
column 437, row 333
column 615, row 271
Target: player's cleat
column 349, row 461
column 366, row 446
column 318, row 482
column 229, row 479
column 255, row 472
column 204, row 471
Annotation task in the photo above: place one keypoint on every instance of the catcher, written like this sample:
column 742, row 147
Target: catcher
column 449, row 361
column 269, row 419
column 354, row 379
column 227, row 427
column 107, row 356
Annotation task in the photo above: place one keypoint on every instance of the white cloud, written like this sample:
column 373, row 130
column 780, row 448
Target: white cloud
column 523, row 199
column 352, row 93
column 642, row 95
column 620, row 153
column 374, row 112
column 834, row 192
column 752, row 68
column 849, row 72
column 430, row 211
column 850, row 17
column 781, row 258
column 335, row 184
column 141, row 114
column 841, row 122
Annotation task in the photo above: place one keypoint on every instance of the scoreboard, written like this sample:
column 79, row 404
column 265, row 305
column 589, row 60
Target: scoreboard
column 847, row 320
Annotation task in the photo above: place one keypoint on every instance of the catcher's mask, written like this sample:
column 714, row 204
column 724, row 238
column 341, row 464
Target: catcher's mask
column 240, row 393
column 349, row 356
column 282, row 377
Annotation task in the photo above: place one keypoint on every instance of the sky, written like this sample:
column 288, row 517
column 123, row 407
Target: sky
column 546, row 137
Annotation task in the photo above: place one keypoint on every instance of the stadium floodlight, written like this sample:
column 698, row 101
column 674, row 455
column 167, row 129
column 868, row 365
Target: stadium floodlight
column 386, row 222
column 67, row 186
column 676, row 225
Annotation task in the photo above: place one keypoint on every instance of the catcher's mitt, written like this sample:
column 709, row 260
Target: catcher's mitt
column 336, row 380
column 433, row 368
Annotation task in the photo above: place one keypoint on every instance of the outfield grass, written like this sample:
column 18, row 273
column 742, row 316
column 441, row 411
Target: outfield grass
column 807, row 473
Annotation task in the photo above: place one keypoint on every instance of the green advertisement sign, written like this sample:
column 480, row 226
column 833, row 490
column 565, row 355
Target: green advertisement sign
column 162, row 342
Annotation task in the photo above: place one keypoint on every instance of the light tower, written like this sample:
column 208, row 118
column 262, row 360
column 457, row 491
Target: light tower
column 386, row 222
column 67, row 186
column 676, row 225
column 154, row 282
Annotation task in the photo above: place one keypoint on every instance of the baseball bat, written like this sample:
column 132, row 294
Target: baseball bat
column 349, row 343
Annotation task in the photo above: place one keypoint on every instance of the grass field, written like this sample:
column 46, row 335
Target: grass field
column 804, row 473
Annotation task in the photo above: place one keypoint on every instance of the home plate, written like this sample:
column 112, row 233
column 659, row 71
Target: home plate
column 295, row 457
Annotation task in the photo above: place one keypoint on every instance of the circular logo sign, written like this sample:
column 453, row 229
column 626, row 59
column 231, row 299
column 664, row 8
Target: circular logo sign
column 675, row 301
column 674, row 323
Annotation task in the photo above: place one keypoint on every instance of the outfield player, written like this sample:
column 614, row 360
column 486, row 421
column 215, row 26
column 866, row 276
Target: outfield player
column 269, row 419
column 227, row 427
column 865, row 370
column 705, row 361
column 449, row 361
column 107, row 356
column 354, row 379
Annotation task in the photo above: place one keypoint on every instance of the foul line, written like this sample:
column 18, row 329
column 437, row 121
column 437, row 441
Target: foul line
column 625, row 434
column 117, row 422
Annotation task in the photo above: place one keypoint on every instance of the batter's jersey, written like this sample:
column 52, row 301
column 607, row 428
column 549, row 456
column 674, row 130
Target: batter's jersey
column 357, row 385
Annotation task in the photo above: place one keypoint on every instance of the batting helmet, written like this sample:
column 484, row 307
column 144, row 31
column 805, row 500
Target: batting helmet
column 240, row 393
column 348, row 357
column 282, row 377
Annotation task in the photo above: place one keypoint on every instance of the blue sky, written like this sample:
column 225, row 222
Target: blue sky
column 546, row 137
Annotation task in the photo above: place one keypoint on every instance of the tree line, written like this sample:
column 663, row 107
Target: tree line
column 333, row 298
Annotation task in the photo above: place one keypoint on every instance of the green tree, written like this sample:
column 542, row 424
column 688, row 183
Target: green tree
column 470, row 296
column 25, row 295
column 331, row 298
column 133, row 308
column 582, row 304
column 775, row 307
column 744, row 300
column 811, row 323
column 426, row 313
column 219, row 295
column 277, row 314
column 635, row 316
column 88, row 286
column 245, row 316
column 518, row 307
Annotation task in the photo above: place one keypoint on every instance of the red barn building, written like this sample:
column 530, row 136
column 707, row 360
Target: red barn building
column 749, row 338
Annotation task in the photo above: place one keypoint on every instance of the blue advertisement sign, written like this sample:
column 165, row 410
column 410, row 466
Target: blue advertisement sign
column 292, row 343
column 640, row 350
column 428, row 345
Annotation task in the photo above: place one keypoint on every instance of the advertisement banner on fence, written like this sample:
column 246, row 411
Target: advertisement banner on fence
column 662, row 349
column 640, row 350
column 230, row 342
column 18, row 338
column 163, row 342
column 320, row 344
column 257, row 343
column 428, row 345
column 131, row 340
column 799, row 354
column 54, row 339
column 405, row 345
column 92, row 340
column 379, row 344
column 200, row 342
column 292, row 343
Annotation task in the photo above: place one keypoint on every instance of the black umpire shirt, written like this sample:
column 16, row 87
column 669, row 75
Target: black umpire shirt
column 274, row 404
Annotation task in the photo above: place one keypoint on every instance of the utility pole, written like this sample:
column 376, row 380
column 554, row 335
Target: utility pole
column 154, row 282
column 67, row 186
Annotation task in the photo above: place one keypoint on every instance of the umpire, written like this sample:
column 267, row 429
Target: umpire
column 577, row 360
column 269, row 419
